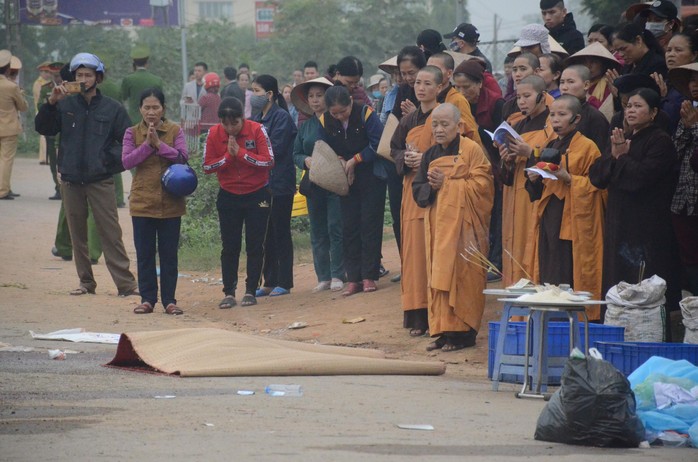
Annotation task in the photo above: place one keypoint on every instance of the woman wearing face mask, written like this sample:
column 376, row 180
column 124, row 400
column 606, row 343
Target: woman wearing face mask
column 640, row 178
column 324, row 211
column 353, row 131
column 269, row 108
column 150, row 148
column 238, row 151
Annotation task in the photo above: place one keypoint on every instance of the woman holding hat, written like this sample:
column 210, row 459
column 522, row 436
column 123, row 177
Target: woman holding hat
column 149, row 148
column 353, row 131
column 684, row 204
column 324, row 210
column 269, row 108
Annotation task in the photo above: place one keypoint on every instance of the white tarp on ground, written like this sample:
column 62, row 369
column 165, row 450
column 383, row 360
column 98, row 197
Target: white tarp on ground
column 78, row 334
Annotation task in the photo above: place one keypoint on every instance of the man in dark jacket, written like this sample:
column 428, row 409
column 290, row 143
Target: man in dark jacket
column 232, row 88
column 92, row 128
column 561, row 25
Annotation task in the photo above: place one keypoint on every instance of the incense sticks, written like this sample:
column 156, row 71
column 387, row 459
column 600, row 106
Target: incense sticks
column 528, row 276
column 479, row 259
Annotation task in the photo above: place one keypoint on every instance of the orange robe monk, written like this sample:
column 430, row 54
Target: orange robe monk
column 468, row 124
column 457, row 216
column 415, row 130
column 516, row 205
column 569, row 219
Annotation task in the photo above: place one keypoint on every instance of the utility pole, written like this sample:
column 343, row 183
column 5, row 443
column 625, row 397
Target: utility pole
column 495, row 49
column 460, row 6
column 183, row 28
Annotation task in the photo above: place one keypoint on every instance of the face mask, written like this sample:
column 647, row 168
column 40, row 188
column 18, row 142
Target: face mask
column 257, row 102
column 454, row 46
column 377, row 94
column 657, row 28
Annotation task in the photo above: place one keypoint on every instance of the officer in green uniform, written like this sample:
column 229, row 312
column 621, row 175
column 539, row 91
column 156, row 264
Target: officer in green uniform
column 135, row 83
column 112, row 90
column 52, row 141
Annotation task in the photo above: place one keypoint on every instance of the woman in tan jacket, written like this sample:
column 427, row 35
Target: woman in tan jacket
column 151, row 147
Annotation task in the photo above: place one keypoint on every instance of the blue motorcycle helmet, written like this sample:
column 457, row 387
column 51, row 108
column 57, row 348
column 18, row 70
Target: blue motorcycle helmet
column 180, row 180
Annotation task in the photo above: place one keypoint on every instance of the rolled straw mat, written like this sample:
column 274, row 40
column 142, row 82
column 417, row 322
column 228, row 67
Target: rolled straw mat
column 221, row 353
column 327, row 171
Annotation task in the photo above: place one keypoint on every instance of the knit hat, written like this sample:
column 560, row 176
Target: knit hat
column 534, row 34
column 473, row 69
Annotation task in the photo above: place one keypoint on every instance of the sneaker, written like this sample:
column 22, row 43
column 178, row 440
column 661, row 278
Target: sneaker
column 382, row 271
column 322, row 285
column 337, row 285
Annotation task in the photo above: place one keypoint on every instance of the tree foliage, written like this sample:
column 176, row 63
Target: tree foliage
column 605, row 11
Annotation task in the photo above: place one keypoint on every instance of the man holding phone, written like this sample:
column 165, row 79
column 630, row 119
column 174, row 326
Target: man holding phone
column 92, row 128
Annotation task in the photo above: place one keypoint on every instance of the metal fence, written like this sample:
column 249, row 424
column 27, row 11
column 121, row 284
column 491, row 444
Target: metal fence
column 496, row 52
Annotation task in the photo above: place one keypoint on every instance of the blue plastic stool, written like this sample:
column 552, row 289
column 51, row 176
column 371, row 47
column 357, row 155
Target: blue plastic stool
column 536, row 347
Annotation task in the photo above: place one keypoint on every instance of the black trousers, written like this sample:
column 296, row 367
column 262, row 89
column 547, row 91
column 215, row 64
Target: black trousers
column 278, row 245
column 362, row 221
column 234, row 211
column 161, row 235
column 395, row 200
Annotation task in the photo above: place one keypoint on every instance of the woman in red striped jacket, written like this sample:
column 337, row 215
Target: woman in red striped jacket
column 239, row 152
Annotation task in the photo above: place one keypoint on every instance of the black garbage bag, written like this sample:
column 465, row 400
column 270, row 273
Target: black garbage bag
column 594, row 406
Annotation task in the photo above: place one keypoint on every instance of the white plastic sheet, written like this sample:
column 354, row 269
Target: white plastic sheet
column 78, row 335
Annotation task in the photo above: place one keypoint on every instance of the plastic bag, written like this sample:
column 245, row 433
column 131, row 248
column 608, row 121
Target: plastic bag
column 639, row 308
column 689, row 311
column 593, row 407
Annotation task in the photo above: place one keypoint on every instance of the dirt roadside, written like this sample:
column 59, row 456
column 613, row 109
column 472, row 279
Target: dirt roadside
column 77, row 410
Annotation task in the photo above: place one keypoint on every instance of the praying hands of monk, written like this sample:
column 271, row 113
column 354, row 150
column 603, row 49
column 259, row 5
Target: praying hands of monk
column 407, row 107
column 413, row 157
column 436, row 178
column 619, row 145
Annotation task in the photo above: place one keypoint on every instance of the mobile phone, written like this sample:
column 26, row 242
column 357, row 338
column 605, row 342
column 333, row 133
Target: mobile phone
column 73, row 87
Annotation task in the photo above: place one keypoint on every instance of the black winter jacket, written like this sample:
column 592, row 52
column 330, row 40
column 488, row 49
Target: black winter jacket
column 91, row 136
column 568, row 36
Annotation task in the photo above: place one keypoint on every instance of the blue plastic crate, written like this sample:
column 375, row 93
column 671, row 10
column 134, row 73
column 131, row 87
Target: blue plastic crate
column 628, row 356
column 558, row 343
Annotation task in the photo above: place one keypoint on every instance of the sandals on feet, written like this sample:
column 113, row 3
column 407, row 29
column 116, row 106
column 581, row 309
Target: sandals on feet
column 263, row 291
column 128, row 293
column 279, row 291
column 81, row 291
column 336, row 285
column 417, row 332
column 143, row 308
column 173, row 309
column 322, row 285
column 352, row 288
column 248, row 300
column 369, row 285
column 227, row 302
column 437, row 344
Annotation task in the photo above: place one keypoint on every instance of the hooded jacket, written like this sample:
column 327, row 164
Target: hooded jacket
column 567, row 35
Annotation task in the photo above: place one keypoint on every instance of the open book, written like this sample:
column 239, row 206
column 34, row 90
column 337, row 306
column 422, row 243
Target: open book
column 501, row 132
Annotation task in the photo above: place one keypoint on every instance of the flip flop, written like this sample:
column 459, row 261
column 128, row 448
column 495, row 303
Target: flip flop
column 143, row 308
column 248, row 300
column 173, row 309
column 81, row 291
column 227, row 302
column 437, row 344
column 263, row 291
column 279, row 291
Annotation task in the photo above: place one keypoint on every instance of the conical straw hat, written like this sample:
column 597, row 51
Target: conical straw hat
column 327, row 171
column 299, row 94
column 680, row 76
column 389, row 65
column 595, row 50
column 555, row 47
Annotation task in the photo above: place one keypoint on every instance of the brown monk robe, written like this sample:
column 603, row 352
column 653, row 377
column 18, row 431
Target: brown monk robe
column 565, row 244
column 469, row 126
column 516, row 205
column 513, row 115
column 458, row 215
column 415, row 130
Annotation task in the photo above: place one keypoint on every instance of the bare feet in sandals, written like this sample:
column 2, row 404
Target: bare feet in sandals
column 227, row 302
column 143, row 308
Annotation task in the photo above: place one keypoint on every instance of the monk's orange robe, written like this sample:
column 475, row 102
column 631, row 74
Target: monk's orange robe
column 517, row 209
column 466, row 116
column 413, row 283
column 459, row 217
column 582, row 220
